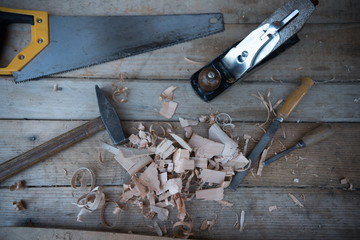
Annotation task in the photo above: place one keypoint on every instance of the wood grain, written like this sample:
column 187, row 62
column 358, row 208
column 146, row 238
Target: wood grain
column 54, row 209
column 321, row 165
column 36, row 100
column 22, row 233
column 249, row 11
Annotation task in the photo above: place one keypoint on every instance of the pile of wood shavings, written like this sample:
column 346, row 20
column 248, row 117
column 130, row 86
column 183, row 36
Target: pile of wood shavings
column 168, row 170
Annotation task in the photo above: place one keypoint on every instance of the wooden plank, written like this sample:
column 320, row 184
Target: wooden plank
column 254, row 11
column 77, row 100
column 322, row 165
column 54, row 209
column 326, row 52
column 22, row 233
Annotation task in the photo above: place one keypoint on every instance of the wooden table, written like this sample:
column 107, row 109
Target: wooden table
column 32, row 113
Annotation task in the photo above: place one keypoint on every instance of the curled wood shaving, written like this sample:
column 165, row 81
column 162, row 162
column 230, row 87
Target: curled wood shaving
column 194, row 62
column 19, row 185
column 345, row 181
column 267, row 104
column 19, row 206
column 207, row 225
column 168, row 93
column 89, row 202
column 182, row 229
column 296, row 201
column 65, row 172
column 119, row 90
column 224, row 120
column 180, row 205
column 76, row 175
column 117, row 211
column 55, row 89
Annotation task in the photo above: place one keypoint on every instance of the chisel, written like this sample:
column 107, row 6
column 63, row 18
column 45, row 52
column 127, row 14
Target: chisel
column 311, row 138
column 289, row 105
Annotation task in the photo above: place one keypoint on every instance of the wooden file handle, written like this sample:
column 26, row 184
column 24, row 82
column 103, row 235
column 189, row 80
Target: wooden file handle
column 295, row 97
column 49, row 148
column 318, row 134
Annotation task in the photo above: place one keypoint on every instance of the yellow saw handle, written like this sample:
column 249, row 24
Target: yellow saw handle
column 39, row 21
column 295, row 97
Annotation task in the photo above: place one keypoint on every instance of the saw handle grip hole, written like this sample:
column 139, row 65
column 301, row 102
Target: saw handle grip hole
column 213, row 20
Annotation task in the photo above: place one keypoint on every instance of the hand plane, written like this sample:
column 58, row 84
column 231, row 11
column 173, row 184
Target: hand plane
column 274, row 35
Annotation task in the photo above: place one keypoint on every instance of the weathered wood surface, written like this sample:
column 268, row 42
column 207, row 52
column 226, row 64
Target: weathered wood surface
column 24, row 233
column 321, row 165
column 322, row 216
column 249, row 11
column 326, row 52
column 36, row 100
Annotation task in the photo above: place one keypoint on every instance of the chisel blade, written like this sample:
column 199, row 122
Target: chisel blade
column 77, row 42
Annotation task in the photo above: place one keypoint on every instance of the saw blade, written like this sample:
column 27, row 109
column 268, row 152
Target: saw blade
column 77, row 42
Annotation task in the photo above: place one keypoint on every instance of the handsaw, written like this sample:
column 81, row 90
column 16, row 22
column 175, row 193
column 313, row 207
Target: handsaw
column 274, row 35
column 108, row 119
column 63, row 43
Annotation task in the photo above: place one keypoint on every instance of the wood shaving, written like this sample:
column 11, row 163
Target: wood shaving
column 182, row 229
column 168, row 109
column 194, row 62
column 212, row 176
column 181, row 141
column 225, row 203
column 272, row 208
column 204, row 147
column 224, row 120
column 119, row 90
column 242, row 221
column 168, row 94
column 180, row 205
column 116, row 211
column 74, row 178
column 55, row 89
column 345, row 181
column 230, row 146
column 162, row 213
column 188, row 132
column 187, row 122
column 238, row 162
column 65, row 172
column 296, row 201
column 267, row 104
column 19, row 206
column 19, row 185
column 132, row 160
column 207, row 225
column 262, row 159
column 89, row 202
column 150, row 178
column 203, row 118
